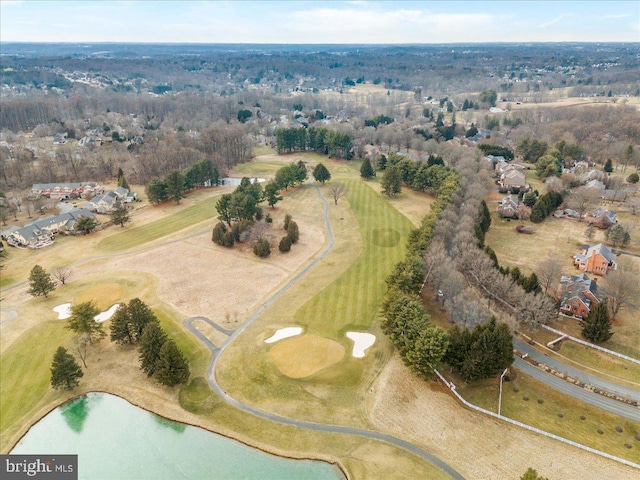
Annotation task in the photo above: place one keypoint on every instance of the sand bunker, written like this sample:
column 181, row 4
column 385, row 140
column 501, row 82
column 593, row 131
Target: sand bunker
column 283, row 333
column 303, row 356
column 106, row 315
column 361, row 341
column 63, row 311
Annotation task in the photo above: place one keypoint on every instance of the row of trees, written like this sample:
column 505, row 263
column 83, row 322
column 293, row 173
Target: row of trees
column 176, row 183
column 334, row 143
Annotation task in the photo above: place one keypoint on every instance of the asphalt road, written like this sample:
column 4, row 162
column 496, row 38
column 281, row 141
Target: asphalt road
column 600, row 401
column 216, row 351
column 586, row 378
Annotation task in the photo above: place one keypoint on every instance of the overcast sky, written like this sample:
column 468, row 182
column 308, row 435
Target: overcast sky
column 319, row 22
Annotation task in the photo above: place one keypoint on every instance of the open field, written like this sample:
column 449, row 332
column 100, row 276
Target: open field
column 191, row 276
column 488, row 449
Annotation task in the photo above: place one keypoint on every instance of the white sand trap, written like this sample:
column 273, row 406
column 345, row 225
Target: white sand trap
column 361, row 341
column 106, row 315
column 63, row 311
column 284, row 333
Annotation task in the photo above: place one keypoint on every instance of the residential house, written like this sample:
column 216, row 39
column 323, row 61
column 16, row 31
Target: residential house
column 614, row 195
column 90, row 141
column 41, row 232
column 601, row 218
column 596, row 259
column 512, row 178
column 578, row 294
column 59, row 139
column 596, row 187
column 65, row 190
column 509, row 207
column 567, row 213
column 107, row 201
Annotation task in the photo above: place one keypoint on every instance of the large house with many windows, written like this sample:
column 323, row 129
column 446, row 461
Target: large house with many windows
column 598, row 259
column 41, row 232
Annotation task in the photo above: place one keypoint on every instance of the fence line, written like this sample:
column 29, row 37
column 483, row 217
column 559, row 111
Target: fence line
column 452, row 387
column 591, row 345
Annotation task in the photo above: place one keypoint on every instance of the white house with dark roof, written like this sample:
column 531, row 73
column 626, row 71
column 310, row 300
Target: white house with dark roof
column 41, row 232
column 107, row 201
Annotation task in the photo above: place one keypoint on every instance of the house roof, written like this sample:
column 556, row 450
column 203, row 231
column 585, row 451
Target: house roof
column 576, row 286
column 600, row 249
column 595, row 184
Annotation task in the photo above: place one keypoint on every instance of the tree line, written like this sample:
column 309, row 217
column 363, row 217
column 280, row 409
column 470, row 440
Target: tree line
column 334, row 143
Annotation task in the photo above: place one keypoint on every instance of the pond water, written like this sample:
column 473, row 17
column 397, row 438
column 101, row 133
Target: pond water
column 117, row 440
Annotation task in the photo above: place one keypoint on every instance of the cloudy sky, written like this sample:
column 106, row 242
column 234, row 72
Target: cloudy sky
column 319, row 22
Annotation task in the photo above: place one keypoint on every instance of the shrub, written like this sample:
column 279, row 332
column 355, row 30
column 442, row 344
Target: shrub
column 287, row 219
column 262, row 248
column 633, row 178
column 268, row 218
column 218, row 233
column 228, row 240
column 240, row 227
column 293, row 232
column 285, row 244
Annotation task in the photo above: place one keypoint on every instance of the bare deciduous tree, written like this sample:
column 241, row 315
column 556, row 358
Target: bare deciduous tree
column 535, row 310
column 548, row 272
column 62, row 274
column 337, row 190
column 622, row 285
column 80, row 347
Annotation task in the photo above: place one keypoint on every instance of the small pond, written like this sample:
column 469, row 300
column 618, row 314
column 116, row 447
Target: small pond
column 115, row 439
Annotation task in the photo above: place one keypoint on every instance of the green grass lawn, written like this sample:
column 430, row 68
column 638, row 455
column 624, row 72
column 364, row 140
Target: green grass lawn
column 601, row 361
column 24, row 371
column 352, row 300
column 556, row 413
column 186, row 217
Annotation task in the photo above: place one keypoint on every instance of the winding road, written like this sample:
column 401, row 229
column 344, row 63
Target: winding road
column 586, row 378
column 217, row 351
column 599, row 401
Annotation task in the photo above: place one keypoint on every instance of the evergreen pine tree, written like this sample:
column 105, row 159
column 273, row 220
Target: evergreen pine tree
column 597, row 327
column 151, row 341
column 171, row 366
column 366, row 170
column 293, row 232
column 321, row 174
column 120, row 327
column 40, row 282
column 120, row 214
column 82, row 321
column 140, row 315
column 608, row 166
column 65, row 371
column 392, row 181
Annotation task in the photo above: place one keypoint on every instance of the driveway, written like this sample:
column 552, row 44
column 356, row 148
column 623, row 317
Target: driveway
column 586, row 378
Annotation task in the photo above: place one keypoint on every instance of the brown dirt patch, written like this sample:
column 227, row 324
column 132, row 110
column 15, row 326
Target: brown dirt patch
column 303, row 356
column 479, row 447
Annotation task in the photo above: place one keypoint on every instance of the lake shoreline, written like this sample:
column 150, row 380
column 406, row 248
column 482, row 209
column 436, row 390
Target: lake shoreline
column 52, row 406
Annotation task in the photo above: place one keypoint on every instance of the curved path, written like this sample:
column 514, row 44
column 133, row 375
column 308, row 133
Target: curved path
column 216, row 351
column 10, row 314
column 594, row 399
column 586, row 378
